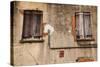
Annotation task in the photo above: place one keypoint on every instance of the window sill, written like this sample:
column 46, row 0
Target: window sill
column 31, row 40
column 89, row 42
column 90, row 39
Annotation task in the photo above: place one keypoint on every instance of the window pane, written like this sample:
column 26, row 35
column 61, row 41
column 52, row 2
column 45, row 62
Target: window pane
column 81, row 26
column 87, row 25
column 26, row 27
column 38, row 20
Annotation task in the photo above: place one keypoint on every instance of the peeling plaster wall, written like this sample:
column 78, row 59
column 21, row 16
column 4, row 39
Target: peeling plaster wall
column 62, row 36
column 41, row 53
column 62, row 22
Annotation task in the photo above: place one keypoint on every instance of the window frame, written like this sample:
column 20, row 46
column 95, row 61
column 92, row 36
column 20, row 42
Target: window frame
column 33, row 39
column 74, row 22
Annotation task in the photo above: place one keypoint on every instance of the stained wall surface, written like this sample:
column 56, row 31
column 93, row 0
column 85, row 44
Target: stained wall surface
column 59, row 16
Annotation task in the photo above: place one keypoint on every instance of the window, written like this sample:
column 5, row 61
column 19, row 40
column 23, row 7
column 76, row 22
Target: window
column 83, row 25
column 32, row 28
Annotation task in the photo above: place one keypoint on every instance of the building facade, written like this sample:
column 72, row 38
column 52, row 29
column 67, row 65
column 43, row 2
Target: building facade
column 49, row 33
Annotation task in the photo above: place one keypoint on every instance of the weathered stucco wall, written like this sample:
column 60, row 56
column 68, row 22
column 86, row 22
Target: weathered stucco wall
column 61, row 39
column 26, row 53
column 62, row 22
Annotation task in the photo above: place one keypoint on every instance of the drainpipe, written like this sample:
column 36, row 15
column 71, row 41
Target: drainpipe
column 49, row 38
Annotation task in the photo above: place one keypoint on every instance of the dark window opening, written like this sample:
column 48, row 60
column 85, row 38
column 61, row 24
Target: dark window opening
column 32, row 27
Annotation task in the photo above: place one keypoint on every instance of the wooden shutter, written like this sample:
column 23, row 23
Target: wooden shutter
column 74, row 27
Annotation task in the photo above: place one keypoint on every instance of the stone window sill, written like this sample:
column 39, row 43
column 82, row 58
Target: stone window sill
column 31, row 40
column 90, row 39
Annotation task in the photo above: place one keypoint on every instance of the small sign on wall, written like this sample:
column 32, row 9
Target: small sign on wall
column 61, row 53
